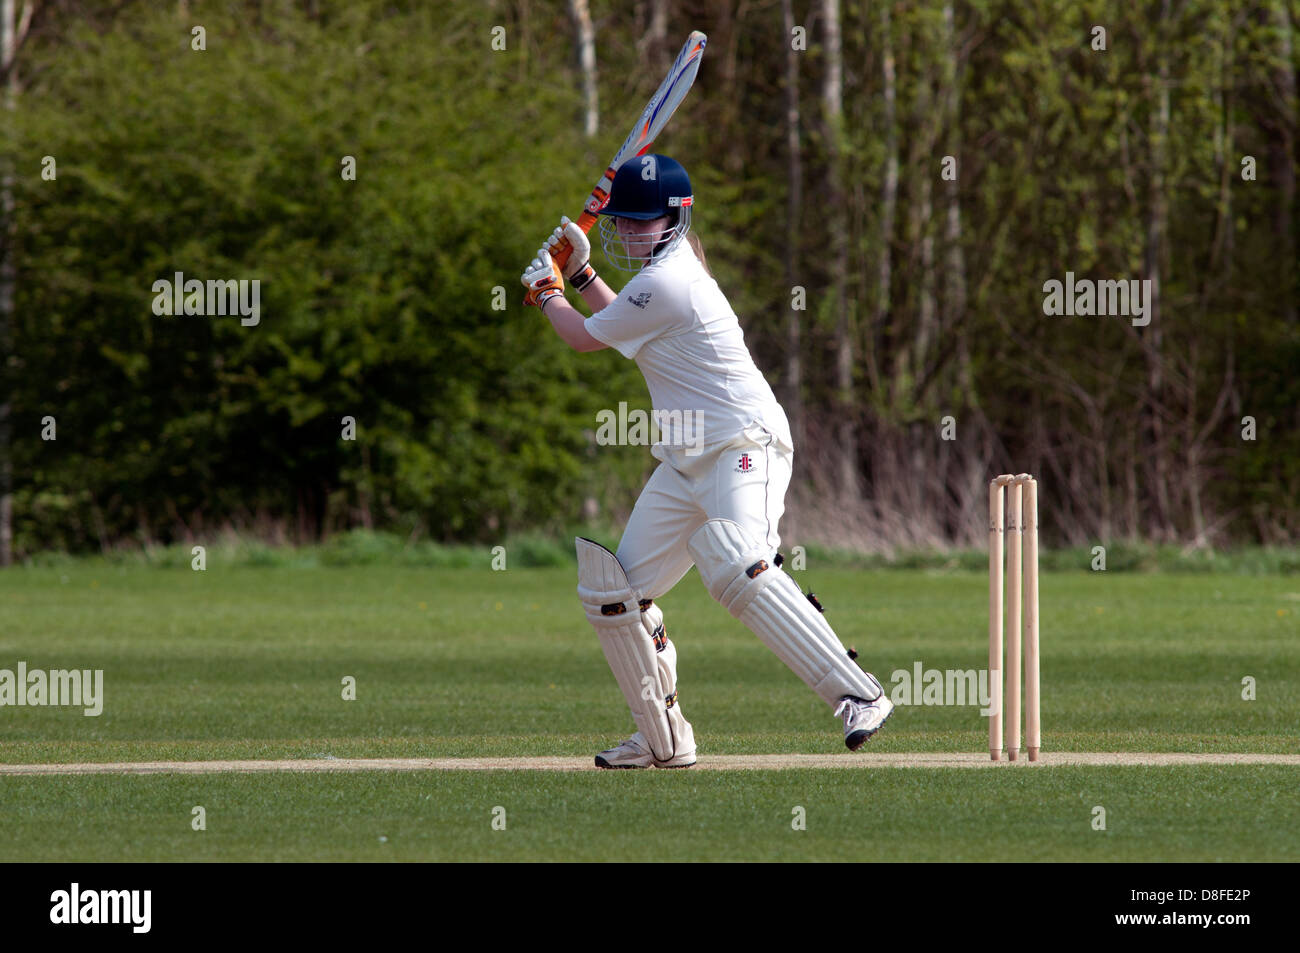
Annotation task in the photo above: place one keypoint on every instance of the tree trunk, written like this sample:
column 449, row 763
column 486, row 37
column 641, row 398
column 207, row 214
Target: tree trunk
column 970, row 483
column 1153, row 333
column 794, row 212
column 954, row 273
column 1282, row 151
column 838, row 247
column 725, row 40
column 587, row 60
column 1225, row 156
column 653, row 44
column 11, row 34
column 922, row 210
column 888, row 203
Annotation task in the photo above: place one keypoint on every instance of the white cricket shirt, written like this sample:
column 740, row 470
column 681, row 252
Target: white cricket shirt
column 675, row 322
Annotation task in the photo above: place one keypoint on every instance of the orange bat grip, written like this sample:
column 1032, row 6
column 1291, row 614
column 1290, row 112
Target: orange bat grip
column 585, row 222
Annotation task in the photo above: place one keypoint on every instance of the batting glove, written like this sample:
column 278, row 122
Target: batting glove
column 578, row 267
column 543, row 280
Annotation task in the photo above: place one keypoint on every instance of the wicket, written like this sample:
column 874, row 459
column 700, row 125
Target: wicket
column 1016, row 496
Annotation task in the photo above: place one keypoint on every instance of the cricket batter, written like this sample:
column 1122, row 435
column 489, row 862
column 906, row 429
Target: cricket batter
column 715, row 500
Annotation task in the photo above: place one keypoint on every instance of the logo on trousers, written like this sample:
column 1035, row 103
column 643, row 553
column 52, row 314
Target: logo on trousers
column 746, row 463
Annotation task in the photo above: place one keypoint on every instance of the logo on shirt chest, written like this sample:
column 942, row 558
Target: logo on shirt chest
column 641, row 300
column 745, row 464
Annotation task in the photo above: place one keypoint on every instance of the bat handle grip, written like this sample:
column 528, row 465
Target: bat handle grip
column 585, row 222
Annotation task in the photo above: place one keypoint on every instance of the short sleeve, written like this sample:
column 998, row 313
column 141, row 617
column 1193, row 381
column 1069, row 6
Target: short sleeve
column 641, row 312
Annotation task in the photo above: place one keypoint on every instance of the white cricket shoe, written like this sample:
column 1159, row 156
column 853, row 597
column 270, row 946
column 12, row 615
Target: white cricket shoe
column 862, row 718
column 635, row 753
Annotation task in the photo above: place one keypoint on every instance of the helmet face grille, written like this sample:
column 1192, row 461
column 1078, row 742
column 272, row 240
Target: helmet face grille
column 659, row 243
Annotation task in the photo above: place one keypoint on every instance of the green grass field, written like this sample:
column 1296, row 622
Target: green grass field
column 248, row 663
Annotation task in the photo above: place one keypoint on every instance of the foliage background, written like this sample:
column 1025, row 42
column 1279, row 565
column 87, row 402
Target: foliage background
column 924, row 296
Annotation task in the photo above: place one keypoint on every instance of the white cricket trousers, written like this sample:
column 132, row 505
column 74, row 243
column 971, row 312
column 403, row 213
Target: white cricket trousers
column 743, row 479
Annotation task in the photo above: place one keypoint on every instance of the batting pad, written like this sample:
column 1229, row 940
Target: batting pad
column 737, row 573
column 615, row 611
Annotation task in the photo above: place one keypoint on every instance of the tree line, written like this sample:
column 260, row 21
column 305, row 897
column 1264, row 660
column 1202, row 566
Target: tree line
column 884, row 192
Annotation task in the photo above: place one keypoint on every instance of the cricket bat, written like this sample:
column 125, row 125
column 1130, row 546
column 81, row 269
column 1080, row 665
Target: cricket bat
column 657, row 112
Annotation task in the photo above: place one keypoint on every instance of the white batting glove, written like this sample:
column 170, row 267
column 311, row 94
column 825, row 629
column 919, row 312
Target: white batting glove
column 578, row 268
column 542, row 279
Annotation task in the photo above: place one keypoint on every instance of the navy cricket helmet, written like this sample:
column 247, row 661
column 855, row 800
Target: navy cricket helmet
column 646, row 188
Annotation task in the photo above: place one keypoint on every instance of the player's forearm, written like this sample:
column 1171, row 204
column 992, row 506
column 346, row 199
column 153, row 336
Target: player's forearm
column 598, row 295
column 570, row 325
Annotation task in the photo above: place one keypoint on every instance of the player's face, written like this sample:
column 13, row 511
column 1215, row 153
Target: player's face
column 639, row 238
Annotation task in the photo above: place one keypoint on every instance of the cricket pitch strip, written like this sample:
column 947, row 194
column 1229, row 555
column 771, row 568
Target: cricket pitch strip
column 721, row 762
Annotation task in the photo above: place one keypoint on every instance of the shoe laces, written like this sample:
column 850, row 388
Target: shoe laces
column 848, row 708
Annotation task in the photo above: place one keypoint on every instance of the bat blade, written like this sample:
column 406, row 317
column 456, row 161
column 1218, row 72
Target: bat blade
column 654, row 117
column 665, row 101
